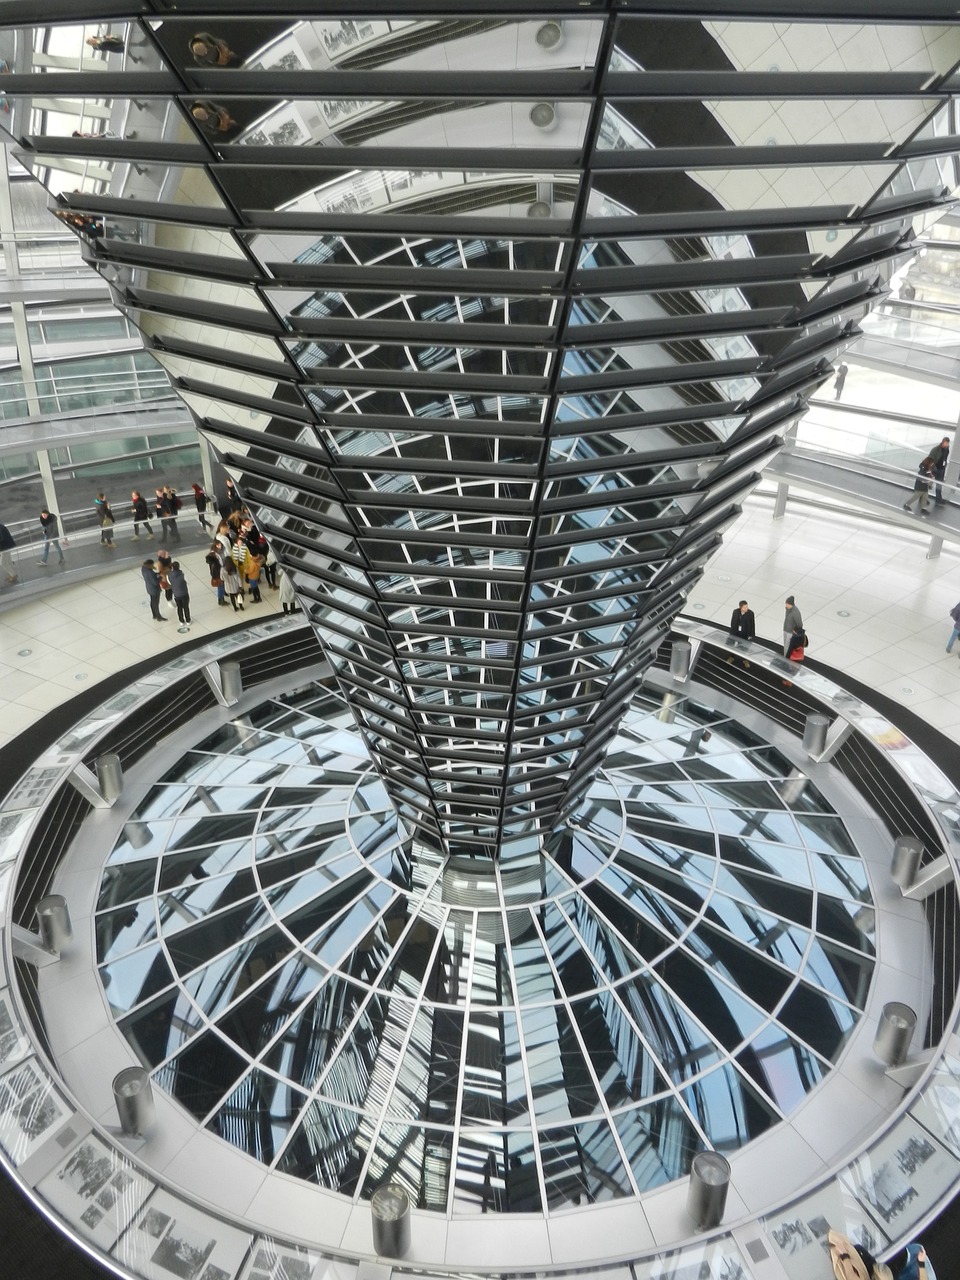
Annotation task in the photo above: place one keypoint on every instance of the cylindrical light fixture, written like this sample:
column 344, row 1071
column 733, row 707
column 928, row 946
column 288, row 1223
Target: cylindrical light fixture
column 707, row 1190
column 133, row 1094
column 894, row 1033
column 110, row 777
column 230, row 682
column 680, row 656
column 390, row 1206
column 543, row 115
column 815, row 734
column 907, row 852
column 53, row 921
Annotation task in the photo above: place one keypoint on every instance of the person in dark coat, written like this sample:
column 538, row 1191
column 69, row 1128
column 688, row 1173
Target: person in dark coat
column 141, row 513
column 151, row 580
column 201, row 499
column 743, row 625
column 51, row 535
column 938, row 455
column 181, row 595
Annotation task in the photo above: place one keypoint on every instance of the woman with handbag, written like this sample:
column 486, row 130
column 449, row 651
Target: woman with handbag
column 105, row 519
column 215, row 565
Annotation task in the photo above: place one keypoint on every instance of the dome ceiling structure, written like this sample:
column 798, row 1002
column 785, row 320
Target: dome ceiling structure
column 494, row 320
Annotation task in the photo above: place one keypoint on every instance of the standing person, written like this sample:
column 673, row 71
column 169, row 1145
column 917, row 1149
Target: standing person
column 174, row 503
column 215, row 565
column 955, row 618
column 164, row 515
column 141, row 516
column 791, row 621
column 234, row 588
column 106, row 521
column 233, row 501
column 7, row 543
column 164, row 565
column 151, row 580
column 51, row 535
column 252, row 567
column 938, row 456
column 269, row 564
column 201, row 499
column 288, row 600
column 795, row 649
column 840, row 379
column 921, row 488
column 181, row 595
column 743, row 625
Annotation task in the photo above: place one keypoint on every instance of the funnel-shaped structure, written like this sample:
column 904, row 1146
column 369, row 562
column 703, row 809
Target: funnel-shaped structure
column 494, row 319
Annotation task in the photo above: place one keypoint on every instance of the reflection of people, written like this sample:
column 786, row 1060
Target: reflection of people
column 211, row 116
column 210, row 50
column 4, row 66
column 86, row 223
column 106, row 44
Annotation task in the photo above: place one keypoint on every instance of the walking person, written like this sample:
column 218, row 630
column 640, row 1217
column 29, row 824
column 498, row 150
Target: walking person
column 51, row 536
column 921, row 488
column 181, row 595
column 233, row 585
column 743, row 625
column 141, row 514
column 151, row 580
column 202, row 501
column 791, row 621
column 106, row 520
column 7, row 543
column 269, row 564
column 955, row 619
column 939, row 455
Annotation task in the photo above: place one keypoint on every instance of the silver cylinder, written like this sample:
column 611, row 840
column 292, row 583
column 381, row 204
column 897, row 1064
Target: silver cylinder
column 133, row 1094
column 110, row 777
column 707, row 1190
column 894, row 1033
column 907, row 852
column 53, row 921
column 230, row 682
column 815, row 734
column 680, row 654
column 390, row 1206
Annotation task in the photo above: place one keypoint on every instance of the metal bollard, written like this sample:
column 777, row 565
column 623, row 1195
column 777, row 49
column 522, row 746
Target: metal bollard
column 907, row 852
column 133, row 1094
column 390, row 1206
column 53, row 920
column 894, row 1033
column 680, row 656
column 815, row 734
column 110, row 777
column 707, row 1191
column 230, row 681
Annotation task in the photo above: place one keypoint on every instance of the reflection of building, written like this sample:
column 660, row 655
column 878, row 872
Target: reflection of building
column 495, row 388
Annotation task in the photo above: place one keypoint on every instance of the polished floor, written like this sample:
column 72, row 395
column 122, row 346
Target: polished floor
column 872, row 605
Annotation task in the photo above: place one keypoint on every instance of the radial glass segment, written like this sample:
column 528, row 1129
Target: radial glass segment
column 679, row 969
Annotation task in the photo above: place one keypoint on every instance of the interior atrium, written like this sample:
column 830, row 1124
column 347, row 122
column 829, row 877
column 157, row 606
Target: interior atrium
column 444, row 925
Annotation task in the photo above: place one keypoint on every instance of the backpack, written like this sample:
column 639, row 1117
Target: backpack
column 955, row 613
